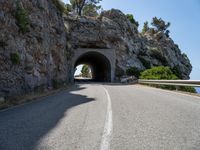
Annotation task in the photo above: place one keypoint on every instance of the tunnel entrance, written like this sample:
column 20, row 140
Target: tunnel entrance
column 83, row 73
column 101, row 61
column 99, row 64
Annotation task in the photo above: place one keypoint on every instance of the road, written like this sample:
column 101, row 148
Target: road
column 104, row 117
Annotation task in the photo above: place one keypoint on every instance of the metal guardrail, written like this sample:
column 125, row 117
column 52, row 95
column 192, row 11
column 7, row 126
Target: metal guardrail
column 192, row 83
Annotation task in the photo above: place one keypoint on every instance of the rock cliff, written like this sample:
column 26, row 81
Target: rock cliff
column 35, row 57
column 37, row 44
column 113, row 30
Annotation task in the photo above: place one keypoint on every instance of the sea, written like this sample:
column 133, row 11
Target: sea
column 198, row 90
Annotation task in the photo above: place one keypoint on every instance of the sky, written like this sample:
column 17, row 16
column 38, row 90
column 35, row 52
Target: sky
column 78, row 70
column 184, row 16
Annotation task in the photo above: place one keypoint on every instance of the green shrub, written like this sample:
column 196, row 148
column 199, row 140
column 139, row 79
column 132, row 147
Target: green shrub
column 188, row 89
column 145, row 27
column 85, row 71
column 91, row 10
column 14, row 57
column 176, row 70
column 164, row 73
column 133, row 71
column 132, row 20
column 22, row 18
column 160, row 24
column 59, row 5
column 158, row 73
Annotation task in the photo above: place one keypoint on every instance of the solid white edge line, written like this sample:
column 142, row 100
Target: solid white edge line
column 173, row 92
column 108, row 127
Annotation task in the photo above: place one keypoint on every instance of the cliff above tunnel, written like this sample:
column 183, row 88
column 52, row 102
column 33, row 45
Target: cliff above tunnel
column 112, row 30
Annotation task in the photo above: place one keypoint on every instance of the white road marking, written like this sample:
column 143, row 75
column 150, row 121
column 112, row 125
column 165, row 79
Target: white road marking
column 174, row 92
column 108, row 127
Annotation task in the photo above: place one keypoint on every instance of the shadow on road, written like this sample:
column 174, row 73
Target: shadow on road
column 21, row 128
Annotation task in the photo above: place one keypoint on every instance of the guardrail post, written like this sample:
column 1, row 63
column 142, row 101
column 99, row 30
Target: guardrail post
column 177, row 87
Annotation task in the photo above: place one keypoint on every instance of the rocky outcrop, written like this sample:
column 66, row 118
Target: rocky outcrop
column 36, row 57
column 113, row 30
column 37, row 44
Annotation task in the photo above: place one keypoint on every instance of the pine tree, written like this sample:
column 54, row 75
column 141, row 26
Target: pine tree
column 79, row 5
column 160, row 24
column 145, row 27
column 85, row 71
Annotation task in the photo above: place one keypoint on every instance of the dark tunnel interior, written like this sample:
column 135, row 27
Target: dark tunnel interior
column 99, row 64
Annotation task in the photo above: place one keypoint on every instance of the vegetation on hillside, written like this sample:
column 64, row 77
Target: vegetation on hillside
column 84, row 7
column 145, row 27
column 22, row 17
column 133, row 71
column 163, row 73
column 60, row 6
column 132, row 20
column 85, row 71
column 91, row 10
column 158, row 73
column 158, row 24
column 15, row 58
column 176, row 70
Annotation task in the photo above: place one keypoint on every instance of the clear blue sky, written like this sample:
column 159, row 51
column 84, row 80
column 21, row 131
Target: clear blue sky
column 184, row 16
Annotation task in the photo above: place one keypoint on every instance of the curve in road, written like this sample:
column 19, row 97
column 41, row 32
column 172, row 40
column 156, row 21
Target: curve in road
column 78, row 119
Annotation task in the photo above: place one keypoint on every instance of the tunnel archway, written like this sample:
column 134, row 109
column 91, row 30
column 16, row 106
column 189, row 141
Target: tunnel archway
column 99, row 63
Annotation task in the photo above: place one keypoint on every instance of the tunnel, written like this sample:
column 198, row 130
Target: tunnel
column 99, row 64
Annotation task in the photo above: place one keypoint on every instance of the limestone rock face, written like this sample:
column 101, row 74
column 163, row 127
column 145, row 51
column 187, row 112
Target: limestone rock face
column 113, row 30
column 40, row 56
column 40, row 52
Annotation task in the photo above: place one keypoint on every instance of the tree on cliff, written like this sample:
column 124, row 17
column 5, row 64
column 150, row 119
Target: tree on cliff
column 161, row 25
column 91, row 10
column 145, row 27
column 85, row 71
column 60, row 6
column 132, row 20
column 81, row 6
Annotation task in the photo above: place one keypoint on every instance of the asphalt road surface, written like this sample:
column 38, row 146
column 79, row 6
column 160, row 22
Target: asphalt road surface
column 104, row 117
